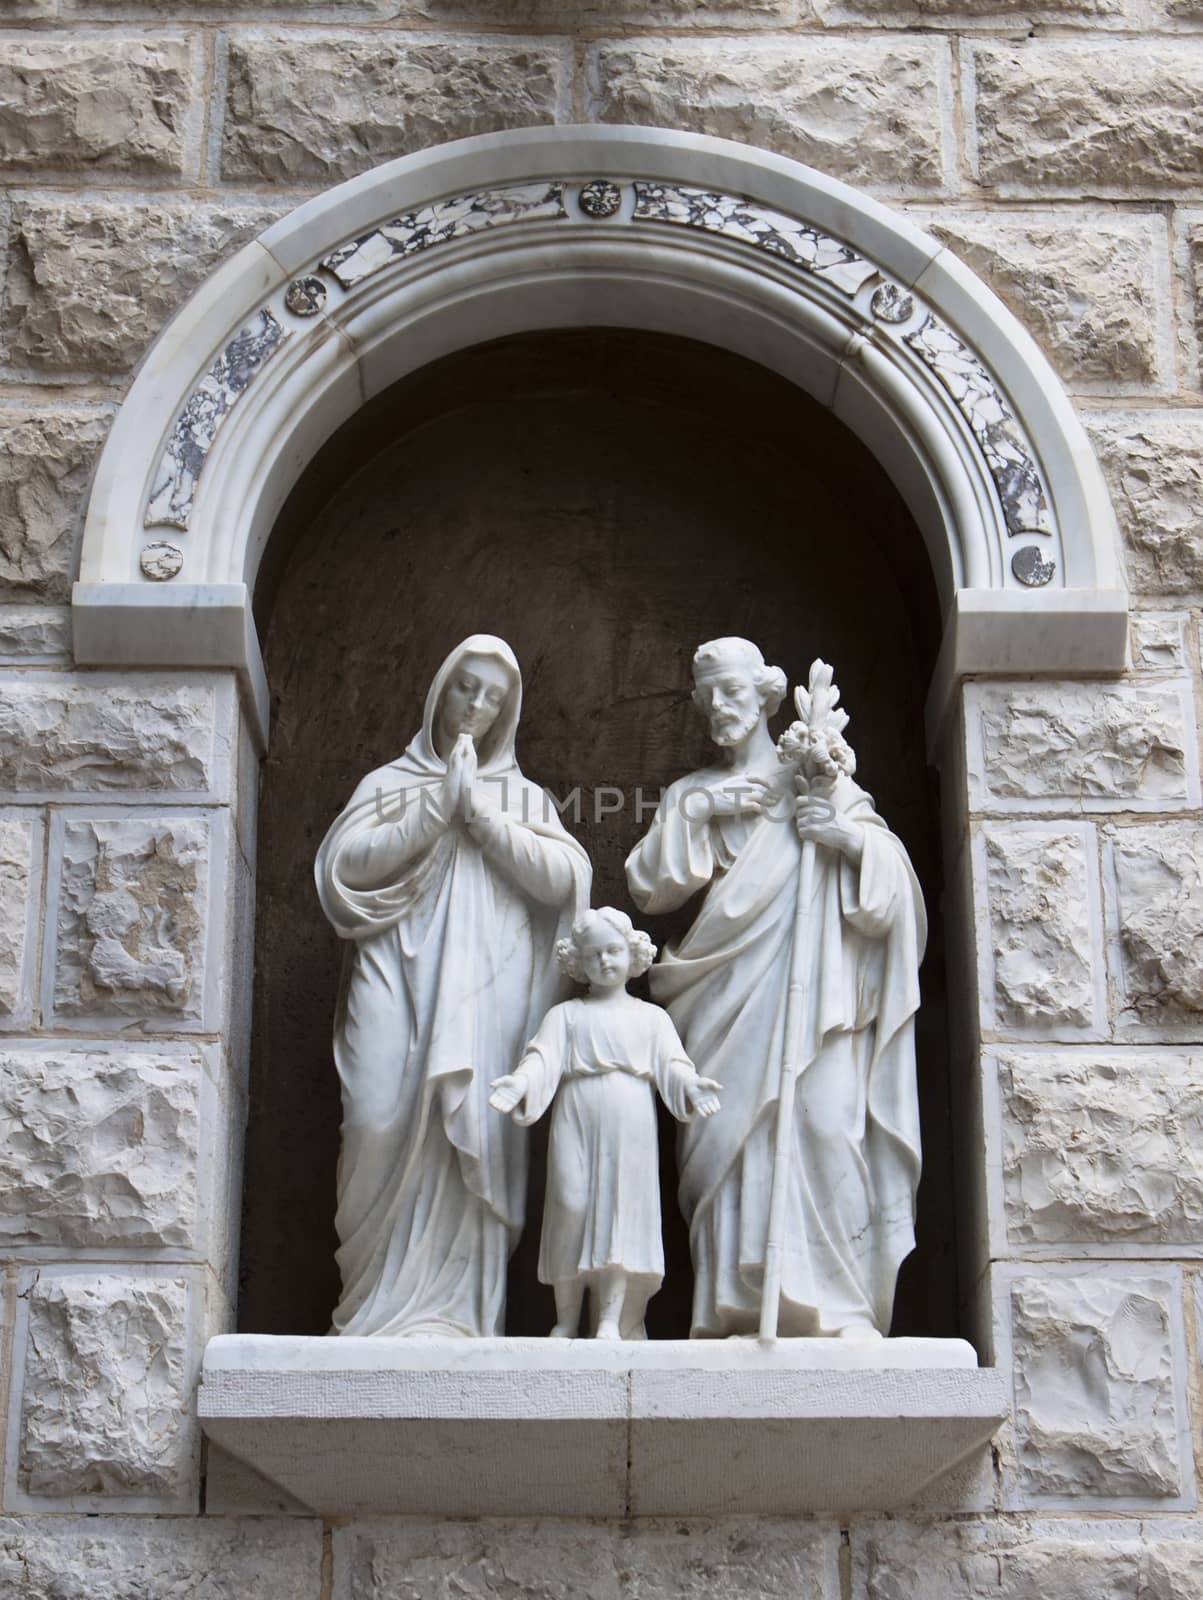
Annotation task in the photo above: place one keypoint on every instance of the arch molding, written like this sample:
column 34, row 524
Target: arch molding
column 600, row 227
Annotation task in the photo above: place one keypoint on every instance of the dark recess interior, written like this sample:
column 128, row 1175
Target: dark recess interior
column 604, row 501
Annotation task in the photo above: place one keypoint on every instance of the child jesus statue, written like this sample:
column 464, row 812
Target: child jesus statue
column 605, row 1054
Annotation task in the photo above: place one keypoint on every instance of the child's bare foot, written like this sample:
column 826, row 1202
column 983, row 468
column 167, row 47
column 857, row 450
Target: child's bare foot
column 608, row 1330
column 563, row 1330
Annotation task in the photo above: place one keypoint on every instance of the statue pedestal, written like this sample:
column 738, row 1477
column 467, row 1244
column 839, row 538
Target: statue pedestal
column 527, row 1427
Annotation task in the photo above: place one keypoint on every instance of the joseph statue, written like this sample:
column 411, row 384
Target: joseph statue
column 736, row 830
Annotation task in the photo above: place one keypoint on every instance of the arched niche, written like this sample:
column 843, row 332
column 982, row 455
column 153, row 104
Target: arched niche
column 600, row 227
column 557, row 229
column 605, row 499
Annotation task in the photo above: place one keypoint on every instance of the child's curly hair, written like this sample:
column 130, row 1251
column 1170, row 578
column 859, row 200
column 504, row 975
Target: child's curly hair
column 643, row 951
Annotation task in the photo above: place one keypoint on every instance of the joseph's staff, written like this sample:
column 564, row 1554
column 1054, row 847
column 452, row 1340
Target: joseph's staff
column 815, row 747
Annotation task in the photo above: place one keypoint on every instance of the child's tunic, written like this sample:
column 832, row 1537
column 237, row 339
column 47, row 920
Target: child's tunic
column 602, row 1207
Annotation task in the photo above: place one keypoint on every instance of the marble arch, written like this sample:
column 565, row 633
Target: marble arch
column 557, row 227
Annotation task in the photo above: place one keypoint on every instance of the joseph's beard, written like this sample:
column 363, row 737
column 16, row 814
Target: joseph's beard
column 729, row 733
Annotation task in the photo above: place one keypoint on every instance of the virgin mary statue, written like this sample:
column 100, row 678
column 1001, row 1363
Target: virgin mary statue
column 451, row 877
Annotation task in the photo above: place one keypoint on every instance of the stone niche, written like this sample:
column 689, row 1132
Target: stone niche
column 605, row 501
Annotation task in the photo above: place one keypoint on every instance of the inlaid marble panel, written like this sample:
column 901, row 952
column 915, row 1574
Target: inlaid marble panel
column 198, row 423
column 444, row 220
column 772, row 231
column 979, row 401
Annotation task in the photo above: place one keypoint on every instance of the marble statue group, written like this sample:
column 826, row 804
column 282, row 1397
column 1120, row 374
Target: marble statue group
column 780, row 1033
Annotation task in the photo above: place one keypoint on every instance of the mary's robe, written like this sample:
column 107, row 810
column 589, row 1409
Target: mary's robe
column 449, row 969
column 854, row 1152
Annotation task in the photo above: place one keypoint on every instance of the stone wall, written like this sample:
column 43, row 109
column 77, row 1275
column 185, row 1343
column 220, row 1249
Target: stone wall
column 1058, row 149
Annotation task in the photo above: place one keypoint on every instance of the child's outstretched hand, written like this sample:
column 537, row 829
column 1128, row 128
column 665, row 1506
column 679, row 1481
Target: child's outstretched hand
column 507, row 1092
column 702, row 1095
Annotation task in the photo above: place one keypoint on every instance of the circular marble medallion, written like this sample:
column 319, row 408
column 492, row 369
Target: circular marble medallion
column 601, row 198
column 305, row 297
column 1030, row 567
column 161, row 561
column 891, row 304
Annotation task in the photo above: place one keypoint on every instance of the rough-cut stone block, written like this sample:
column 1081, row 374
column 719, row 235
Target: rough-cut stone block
column 17, row 839
column 866, row 110
column 1194, row 247
column 564, row 1560
column 1110, row 746
column 79, row 733
column 428, row 1561
column 99, row 1148
column 992, row 1559
column 1153, row 462
column 1103, row 1149
column 1042, row 928
column 104, row 1399
column 1055, row 117
column 1157, row 641
column 1002, row 10
column 34, row 633
column 1095, row 1407
column 1159, row 911
column 147, row 1558
column 251, row 11
column 1093, row 293
column 780, row 1561
column 236, row 11
column 576, row 15
column 1172, row 1569
column 132, row 915
column 45, row 463
column 326, row 107
column 95, row 103
column 91, row 283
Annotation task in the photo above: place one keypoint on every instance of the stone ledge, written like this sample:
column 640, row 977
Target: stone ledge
column 518, row 1427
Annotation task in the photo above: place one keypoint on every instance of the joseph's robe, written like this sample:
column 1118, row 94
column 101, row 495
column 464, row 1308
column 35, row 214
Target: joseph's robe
column 854, row 1149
